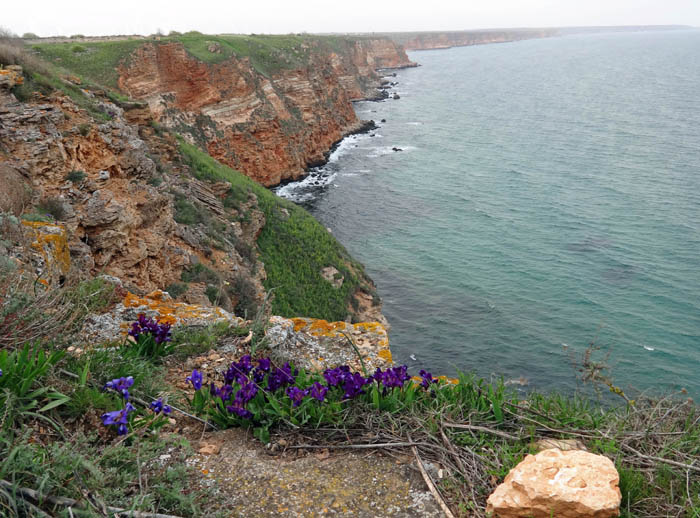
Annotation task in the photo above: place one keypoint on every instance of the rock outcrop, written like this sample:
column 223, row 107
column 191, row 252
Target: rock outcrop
column 271, row 126
column 310, row 343
column 565, row 484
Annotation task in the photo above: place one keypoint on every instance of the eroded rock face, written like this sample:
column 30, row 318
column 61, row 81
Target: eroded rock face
column 115, row 218
column 269, row 127
column 564, row 484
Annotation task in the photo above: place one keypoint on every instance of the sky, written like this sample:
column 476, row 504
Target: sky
column 95, row 17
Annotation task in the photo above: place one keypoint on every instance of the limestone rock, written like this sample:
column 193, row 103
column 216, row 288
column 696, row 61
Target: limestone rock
column 15, row 194
column 317, row 344
column 565, row 484
column 332, row 275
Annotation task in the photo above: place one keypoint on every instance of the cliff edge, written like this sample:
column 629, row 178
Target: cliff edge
column 268, row 106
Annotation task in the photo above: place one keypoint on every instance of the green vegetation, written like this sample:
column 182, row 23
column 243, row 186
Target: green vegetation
column 53, row 207
column 188, row 213
column 293, row 245
column 200, row 273
column 76, row 176
column 96, row 62
column 176, row 289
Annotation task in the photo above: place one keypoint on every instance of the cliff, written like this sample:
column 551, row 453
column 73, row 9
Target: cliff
column 444, row 40
column 268, row 106
column 124, row 197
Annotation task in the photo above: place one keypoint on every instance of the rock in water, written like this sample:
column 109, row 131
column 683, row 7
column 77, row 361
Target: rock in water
column 564, row 484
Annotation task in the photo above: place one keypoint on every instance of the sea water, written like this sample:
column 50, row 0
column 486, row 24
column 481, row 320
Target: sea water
column 525, row 201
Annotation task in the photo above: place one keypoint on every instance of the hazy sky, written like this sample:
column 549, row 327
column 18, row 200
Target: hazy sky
column 94, row 17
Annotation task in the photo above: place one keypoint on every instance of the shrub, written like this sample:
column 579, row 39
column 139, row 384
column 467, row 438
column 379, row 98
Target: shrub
column 84, row 129
column 187, row 213
column 176, row 289
column 53, row 207
column 76, row 176
column 77, row 49
column 213, row 294
column 199, row 273
column 29, row 36
column 243, row 291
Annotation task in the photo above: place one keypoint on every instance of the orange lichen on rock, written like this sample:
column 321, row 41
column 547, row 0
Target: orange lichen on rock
column 318, row 344
column 51, row 244
column 170, row 312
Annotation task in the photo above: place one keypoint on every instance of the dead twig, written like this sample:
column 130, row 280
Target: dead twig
column 484, row 429
column 431, row 486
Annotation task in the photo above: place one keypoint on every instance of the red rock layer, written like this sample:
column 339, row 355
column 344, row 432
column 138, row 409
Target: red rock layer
column 269, row 127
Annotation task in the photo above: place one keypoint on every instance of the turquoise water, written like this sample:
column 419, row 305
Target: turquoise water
column 547, row 196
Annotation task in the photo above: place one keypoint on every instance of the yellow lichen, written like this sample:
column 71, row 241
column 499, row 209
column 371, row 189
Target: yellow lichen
column 385, row 354
column 52, row 246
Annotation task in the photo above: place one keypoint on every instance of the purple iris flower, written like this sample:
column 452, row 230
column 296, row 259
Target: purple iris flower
column 392, row 377
column 195, row 378
column 157, row 406
column 264, row 364
column 353, row 385
column 317, row 391
column 119, row 417
column 427, row 378
column 296, row 395
column 279, row 377
column 247, row 392
column 159, row 332
column 120, row 385
column 238, row 409
column 224, row 392
column 0, row 372
column 336, row 376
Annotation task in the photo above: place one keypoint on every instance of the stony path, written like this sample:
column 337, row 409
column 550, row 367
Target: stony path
column 358, row 484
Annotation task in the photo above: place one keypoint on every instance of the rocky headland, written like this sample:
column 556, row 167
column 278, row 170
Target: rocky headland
column 445, row 40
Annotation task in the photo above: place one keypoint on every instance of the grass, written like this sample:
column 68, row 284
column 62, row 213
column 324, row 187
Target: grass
column 293, row 246
column 98, row 62
column 653, row 442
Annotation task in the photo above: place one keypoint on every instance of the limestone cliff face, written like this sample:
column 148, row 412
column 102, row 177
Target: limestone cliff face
column 270, row 126
column 443, row 40
column 102, row 181
column 103, row 190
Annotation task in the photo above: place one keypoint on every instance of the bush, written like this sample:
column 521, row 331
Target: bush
column 29, row 36
column 176, row 289
column 200, row 273
column 53, row 207
column 84, row 129
column 187, row 213
column 213, row 294
column 77, row 49
column 76, row 176
column 244, row 293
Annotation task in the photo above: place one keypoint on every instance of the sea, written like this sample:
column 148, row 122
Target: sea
column 531, row 210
